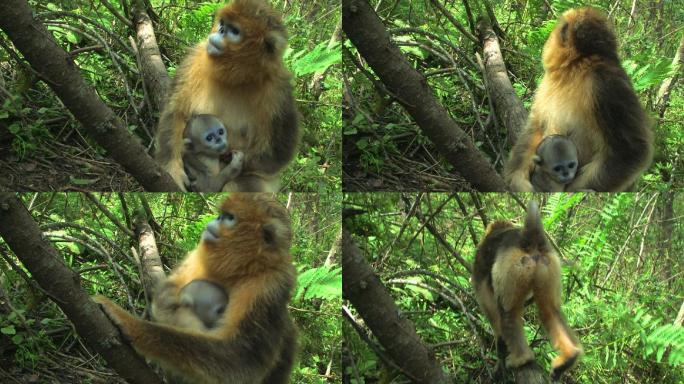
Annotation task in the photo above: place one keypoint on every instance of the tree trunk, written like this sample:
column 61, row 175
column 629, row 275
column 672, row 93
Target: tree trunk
column 507, row 104
column 151, row 266
column 22, row 235
column 366, row 31
column 57, row 68
column 375, row 305
column 663, row 97
column 154, row 72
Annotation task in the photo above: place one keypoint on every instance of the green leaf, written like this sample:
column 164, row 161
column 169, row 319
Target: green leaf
column 9, row 330
column 318, row 60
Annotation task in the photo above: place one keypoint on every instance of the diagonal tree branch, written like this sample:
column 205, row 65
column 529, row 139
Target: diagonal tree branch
column 396, row 333
column 25, row 239
column 365, row 29
column 154, row 72
column 57, row 68
column 506, row 102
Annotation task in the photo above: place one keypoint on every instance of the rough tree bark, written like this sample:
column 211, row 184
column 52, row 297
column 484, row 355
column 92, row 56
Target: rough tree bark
column 55, row 65
column 396, row 334
column 663, row 97
column 22, row 235
column 151, row 267
column 154, row 72
column 507, row 104
column 365, row 29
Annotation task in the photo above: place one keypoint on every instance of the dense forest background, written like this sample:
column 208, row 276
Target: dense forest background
column 93, row 234
column 43, row 147
column 622, row 285
column 384, row 148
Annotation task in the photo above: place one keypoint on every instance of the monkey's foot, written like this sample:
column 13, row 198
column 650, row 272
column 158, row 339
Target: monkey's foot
column 515, row 361
column 562, row 363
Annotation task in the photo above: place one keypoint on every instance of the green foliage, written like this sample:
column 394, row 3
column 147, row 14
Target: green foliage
column 319, row 59
column 650, row 74
column 322, row 282
column 101, row 255
column 619, row 277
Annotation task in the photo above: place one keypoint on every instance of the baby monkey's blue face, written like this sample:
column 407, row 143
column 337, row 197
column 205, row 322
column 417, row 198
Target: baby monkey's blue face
column 206, row 135
column 215, row 138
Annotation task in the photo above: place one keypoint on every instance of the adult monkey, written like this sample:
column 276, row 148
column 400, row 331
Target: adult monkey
column 238, row 75
column 585, row 95
column 246, row 252
column 511, row 266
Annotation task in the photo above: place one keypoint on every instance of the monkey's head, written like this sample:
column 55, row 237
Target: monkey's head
column 556, row 156
column 579, row 33
column 205, row 134
column 252, row 231
column 249, row 31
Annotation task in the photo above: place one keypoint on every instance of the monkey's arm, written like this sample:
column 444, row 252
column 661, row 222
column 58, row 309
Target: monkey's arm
column 169, row 145
column 520, row 164
column 284, row 141
column 625, row 129
column 250, row 336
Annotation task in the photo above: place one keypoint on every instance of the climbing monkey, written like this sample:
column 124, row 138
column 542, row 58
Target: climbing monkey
column 513, row 264
column 555, row 164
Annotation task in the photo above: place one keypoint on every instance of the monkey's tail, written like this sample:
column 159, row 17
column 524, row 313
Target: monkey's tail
column 533, row 232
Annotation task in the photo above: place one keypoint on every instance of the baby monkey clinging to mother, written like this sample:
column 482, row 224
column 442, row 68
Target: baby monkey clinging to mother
column 555, row 164
column 205, row 145
column 236, row 74
column 586, row 96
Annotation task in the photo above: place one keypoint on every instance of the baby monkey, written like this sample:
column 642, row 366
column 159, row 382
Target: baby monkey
column 205, row 143
column 199, row 305
column 555, row 163
column 207, row 300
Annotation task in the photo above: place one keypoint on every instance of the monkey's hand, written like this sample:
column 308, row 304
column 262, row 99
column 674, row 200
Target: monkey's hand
column 521, row 183
column 177, row 172
column 116, row 314
column 233, row 169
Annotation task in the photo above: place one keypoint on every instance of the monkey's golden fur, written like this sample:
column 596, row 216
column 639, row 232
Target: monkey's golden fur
column 248, row 88
column 586, row 95
column 254, row 341
column 511, row 266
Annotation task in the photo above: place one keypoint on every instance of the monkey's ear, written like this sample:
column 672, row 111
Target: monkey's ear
column 564, row 32
column 276, row 234
column 275, row 42
column 187, row 143
column 537, row 160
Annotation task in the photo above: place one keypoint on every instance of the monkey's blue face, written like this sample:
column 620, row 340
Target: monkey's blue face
column 227, row 33
column 212, row 232
column 215, row 139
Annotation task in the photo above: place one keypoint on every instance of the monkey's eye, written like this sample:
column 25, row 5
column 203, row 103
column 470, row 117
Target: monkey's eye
column 571, row 165
column 220, row 131
column 232, row 32
column 557, row 168
column 210, row 137
column 228, row 219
